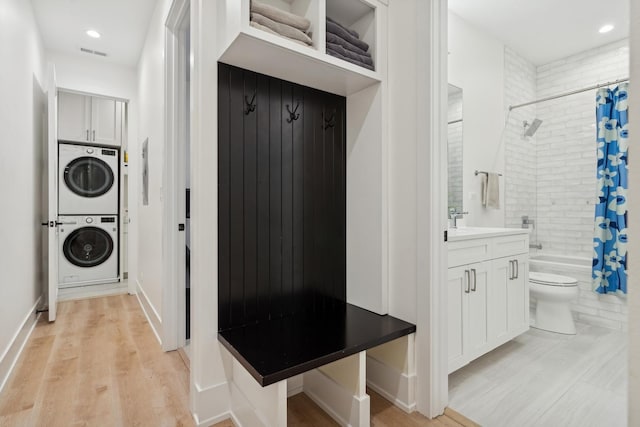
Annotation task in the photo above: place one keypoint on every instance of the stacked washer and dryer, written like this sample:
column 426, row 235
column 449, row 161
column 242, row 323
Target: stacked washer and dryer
column 88, row 195
column 88, row 207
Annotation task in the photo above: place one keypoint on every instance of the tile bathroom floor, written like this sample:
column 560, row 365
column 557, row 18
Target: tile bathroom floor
column 546, row 379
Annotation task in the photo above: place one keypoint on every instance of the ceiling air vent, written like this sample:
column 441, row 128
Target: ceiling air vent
column 95, row 52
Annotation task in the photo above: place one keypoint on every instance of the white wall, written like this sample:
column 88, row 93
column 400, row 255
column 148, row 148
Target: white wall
column 22, row 101
column 476, row 64
column 402, row 78
column 151, row 125
column 92, row 74
column 634, row 219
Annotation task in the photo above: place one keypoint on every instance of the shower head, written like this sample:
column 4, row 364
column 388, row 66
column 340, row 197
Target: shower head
column 530, row 129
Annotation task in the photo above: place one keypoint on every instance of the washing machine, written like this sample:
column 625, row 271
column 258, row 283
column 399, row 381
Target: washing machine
column 88, row 180
column 88, row 250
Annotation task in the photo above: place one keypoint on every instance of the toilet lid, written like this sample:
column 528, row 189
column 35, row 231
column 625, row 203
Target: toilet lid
column 551, row 279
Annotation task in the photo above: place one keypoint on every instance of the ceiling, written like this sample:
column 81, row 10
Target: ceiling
column 546, row 30
column 122, row 23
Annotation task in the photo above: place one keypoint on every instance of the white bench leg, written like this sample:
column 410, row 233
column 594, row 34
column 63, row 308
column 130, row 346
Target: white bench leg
column 254, row 405
column 339, row 388
column 391, row 372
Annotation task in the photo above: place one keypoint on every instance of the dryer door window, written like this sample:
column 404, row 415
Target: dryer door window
column 88, row 177
column 88, row 247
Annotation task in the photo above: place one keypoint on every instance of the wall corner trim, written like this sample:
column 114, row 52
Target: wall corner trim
column 18, row 342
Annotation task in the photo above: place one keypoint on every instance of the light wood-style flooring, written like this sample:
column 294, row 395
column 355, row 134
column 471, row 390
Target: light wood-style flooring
column 546, row 379
column 99, row 364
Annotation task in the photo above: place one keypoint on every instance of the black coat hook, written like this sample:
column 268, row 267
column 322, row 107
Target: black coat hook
column 330, row 122
column 251, row 106
column 292, row 114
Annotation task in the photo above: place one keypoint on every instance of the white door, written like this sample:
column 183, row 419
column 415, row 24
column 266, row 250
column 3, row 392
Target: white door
column 74, row 117
column 458, row 288
column 52, row 188
column 106, row 121
column 477, row 328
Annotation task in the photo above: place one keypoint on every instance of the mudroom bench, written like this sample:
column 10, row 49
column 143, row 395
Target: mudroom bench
column 324, row 354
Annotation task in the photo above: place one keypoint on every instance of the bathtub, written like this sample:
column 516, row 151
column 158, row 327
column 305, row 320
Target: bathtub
column 599, row 310
column 562, row 264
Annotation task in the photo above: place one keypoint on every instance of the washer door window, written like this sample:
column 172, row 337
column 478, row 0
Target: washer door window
column 88, row 177
column 88, row 247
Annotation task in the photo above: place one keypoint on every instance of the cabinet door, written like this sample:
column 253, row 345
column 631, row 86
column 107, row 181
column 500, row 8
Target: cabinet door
column 458, row 289
column 502, row 270
column 106, row 121
column 518, row 297
column 477, row 338
column 74, row 117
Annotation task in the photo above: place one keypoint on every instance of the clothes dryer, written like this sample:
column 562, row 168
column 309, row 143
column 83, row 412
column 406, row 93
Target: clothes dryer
column 88, row 180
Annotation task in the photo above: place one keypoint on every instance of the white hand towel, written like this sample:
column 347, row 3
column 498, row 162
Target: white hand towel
column 491, row 190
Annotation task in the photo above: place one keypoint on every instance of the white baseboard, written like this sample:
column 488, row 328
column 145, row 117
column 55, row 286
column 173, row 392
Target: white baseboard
column 295, row 385
column 345, row 408
column 92, row 291
column 210, row 404
column 395, row 386
column 17, row 343
column 149, row 311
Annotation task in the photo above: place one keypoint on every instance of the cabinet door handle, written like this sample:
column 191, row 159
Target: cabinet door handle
column 87, row 134
column 468, row 277
column 475, row 278
column 512, row 269
column 94, row 136
column 517, row 269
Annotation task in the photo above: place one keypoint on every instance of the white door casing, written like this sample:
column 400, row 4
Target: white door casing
column 173, row 241
column 52, row 191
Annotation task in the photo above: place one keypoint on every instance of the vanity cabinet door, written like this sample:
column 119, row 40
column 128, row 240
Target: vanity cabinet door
column 518, row 297
column 467, row 313
column 503, row 270
column 478, row 339
column 458, row 287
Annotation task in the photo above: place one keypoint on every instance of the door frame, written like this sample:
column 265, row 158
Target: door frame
column 173, row 241
column 432, row 391
column 51, row 148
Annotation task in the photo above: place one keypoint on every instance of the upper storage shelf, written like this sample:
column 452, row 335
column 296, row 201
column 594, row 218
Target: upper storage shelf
column 326, row 56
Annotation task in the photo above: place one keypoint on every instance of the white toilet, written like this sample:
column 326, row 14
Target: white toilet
column 553, row 294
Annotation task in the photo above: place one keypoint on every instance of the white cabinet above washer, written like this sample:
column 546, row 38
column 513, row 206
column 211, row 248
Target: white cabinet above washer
column 93, row 119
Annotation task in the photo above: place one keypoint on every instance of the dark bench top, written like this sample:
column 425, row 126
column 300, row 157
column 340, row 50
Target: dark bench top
column 278, row 349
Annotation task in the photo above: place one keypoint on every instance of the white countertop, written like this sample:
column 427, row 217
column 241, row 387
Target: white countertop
column 467, row 233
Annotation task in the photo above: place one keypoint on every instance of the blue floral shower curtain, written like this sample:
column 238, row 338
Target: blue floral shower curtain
column 610, row 236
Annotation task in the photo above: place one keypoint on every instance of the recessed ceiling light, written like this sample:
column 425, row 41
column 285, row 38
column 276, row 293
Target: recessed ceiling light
column 93, row 33
column 605, row 28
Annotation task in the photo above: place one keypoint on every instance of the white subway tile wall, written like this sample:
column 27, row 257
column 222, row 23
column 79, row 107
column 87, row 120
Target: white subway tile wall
column 551, row 176
column 520, row 151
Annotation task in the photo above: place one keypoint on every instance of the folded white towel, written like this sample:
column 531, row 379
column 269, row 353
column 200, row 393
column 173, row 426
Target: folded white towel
column 269, row 30
column 282, row 29
column 281, row 16
column 490, row 190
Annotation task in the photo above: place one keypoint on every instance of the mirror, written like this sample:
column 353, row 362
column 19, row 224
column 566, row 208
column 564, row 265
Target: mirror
column 454, row 149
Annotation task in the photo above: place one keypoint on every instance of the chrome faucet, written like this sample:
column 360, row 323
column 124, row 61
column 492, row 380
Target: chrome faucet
column 526, row 222
column 454, row 215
